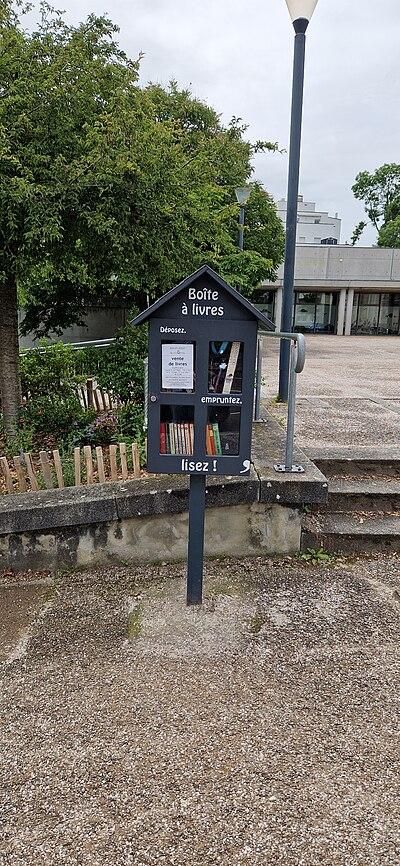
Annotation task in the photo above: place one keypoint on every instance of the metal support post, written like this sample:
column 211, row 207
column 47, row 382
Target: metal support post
column 241, row 228
column 197, row 504
column 292, row 200
column 257, row 401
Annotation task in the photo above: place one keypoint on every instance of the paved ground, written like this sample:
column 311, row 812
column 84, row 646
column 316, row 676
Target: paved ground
column 348, row 393
column 262, row 729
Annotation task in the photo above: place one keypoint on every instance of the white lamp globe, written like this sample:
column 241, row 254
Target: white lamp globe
column 242, row 194
column 301, row 9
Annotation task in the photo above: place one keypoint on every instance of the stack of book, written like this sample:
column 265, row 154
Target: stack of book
column 213, row 439
column 176, row 438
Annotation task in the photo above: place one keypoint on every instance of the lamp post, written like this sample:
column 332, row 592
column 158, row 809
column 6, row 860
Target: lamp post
column 242, row 196
column 300, row 12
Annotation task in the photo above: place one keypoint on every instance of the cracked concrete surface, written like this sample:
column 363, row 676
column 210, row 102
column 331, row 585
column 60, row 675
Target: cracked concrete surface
column 260, row 729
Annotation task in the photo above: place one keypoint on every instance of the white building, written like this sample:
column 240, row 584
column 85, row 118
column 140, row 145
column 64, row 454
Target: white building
column 313, row 227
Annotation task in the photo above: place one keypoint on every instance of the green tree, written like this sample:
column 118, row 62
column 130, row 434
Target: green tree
column 108, row 189
column 380, row 193
column 389, row 234
column 264, row 242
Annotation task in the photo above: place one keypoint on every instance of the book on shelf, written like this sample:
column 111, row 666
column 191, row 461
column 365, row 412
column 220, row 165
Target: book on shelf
column 163, row 439
column 208, row 440
column 219, row 442
column 217, row 439
column 229, row 442
column 213, row 440
column 176, row 438
column 224, row 367
column 231, row 368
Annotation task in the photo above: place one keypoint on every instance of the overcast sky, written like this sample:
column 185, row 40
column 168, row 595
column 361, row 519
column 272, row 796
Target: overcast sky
column 237, row 56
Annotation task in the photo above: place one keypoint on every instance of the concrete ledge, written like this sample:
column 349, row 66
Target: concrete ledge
column 57, row 508
column 167, row 494
column 308, row 488
column 146, row 520
column 101, row 503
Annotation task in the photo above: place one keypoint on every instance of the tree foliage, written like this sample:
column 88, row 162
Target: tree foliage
column 108, row 189
column 380, row 193
column 389, row 235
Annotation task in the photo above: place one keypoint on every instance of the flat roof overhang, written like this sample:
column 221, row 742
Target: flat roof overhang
column 303, row 285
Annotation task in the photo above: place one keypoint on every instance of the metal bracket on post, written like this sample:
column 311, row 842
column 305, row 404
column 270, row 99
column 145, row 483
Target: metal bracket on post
column 281, row 467
column 297, row 358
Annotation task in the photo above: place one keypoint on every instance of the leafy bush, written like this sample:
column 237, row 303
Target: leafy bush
column 102, row 430
column 53, row 414
column 119, row 368
column 131, row 421
column 51, row 369
column 57, row 417
column 21, row 440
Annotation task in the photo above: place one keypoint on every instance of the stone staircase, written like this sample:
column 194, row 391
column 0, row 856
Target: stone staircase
column 363, row 509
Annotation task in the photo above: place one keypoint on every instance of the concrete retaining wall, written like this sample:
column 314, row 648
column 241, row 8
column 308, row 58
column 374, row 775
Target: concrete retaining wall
column 147, row 520
column 242, row 530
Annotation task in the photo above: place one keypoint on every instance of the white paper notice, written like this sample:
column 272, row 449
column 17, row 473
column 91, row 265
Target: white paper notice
column 177, row 366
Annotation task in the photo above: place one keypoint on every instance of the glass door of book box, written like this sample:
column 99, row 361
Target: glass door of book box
column 204, row 386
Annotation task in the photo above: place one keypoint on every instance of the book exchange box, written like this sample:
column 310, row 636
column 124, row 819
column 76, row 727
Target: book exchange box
column 202, row 355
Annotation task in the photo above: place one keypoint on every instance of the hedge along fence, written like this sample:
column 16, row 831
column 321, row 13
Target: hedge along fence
column 50, row 470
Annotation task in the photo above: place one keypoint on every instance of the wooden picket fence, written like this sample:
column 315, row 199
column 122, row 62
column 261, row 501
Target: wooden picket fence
column 92, row 397
column 21, row 475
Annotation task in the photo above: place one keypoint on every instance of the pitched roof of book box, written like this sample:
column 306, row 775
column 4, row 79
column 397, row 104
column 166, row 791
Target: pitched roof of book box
column 205, row 270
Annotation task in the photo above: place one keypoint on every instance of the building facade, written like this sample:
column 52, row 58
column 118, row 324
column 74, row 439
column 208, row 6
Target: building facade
column 340, row 290
column 313, row 227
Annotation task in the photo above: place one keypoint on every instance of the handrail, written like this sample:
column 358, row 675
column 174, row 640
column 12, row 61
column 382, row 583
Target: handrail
column 96, row 344
column 296, row 365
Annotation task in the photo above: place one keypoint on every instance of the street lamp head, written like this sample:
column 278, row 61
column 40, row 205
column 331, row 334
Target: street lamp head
column 242, row 194
column 301, row 10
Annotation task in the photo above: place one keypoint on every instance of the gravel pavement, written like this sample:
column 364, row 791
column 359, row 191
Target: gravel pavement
column 260, row 729
column 348, row 393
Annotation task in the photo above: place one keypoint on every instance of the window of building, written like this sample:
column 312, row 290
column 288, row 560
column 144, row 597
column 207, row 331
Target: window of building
column 315, row 312
column 375, row 313
column 266, row 303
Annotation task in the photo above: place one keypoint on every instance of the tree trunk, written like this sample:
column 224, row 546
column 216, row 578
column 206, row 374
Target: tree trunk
column 10, row 388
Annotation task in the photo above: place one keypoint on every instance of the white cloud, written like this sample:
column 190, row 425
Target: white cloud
column 238, row 57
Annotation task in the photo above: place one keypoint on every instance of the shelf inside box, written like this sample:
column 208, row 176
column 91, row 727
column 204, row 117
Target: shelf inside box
column 176, row 429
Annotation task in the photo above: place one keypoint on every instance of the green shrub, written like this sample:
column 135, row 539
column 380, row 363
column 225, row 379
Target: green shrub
column 131, row 421
column 21, row 440
column 120, row 367
column 50, row 377
column 58, row 417
column 102, row 430
column 51, row 369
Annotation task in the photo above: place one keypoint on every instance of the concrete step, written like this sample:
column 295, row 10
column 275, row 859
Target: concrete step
column 350, row 495
column 351, row 533
column 359, row 462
